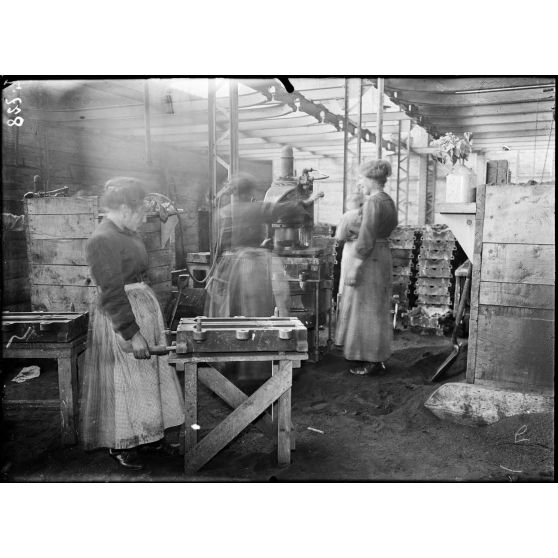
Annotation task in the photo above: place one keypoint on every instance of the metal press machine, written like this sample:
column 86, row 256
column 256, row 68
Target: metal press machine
column 308, row 258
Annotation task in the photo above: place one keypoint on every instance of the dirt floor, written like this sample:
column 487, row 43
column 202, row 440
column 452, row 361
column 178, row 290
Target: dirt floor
column 374, row 428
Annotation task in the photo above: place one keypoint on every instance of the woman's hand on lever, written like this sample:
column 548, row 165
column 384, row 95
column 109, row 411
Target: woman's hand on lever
column 140, row 346
column 313, row 198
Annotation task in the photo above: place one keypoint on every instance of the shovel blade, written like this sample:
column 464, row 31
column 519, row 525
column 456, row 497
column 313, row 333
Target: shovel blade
column 443, row 368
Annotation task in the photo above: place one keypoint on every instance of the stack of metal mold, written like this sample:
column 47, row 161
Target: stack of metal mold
column 434, row 279
column 404, row 244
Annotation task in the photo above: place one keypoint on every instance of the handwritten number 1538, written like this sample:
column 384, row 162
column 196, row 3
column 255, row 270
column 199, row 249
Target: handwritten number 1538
column 18, row 120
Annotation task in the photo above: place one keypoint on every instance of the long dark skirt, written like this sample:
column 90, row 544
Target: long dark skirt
column 248, row 282
column 364, row 326
column 126, row 401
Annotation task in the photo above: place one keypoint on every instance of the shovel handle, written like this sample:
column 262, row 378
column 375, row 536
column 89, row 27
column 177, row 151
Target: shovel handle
column 462, row 302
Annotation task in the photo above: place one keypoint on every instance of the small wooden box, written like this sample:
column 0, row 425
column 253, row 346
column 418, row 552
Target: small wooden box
column 47, row 327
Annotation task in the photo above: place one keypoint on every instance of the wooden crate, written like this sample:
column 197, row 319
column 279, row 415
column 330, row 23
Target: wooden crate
column 57, row 231
column 15, row 284
column 511, row 341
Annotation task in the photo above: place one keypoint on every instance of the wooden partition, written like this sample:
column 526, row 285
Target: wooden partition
column 57, row 230
column 15, row 274
column 511, row 340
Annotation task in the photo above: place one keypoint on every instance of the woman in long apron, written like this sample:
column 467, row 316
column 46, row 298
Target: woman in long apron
column 250, row 280
column 129, row 398
column 365, row 311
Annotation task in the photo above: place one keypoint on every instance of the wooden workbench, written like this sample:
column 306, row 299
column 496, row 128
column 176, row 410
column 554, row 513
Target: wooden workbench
column 67, row 355
column 246, row 408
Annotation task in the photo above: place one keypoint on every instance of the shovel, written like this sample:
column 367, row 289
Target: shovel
column 456, row 346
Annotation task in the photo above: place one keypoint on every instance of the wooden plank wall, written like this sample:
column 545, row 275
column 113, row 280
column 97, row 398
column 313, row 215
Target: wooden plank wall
column 15, row 272
column 511, row 340
column 57, row 230
column 82, row 159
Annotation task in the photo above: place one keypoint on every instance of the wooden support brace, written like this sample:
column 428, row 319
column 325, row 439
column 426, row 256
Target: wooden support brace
column 232, row 396
column 241, row 417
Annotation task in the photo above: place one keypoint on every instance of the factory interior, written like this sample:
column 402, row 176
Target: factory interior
column 467, row 391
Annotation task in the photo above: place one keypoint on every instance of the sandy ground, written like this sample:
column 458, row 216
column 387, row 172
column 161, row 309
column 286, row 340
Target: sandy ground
column 374, row 428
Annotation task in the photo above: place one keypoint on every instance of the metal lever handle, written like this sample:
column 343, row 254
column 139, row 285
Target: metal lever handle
column 161, row 349
column 126, row 346
column 26, row 336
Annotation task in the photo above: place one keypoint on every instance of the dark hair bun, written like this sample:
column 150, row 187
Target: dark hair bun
column 243, row 184
column 123, row 190
column 378, row 169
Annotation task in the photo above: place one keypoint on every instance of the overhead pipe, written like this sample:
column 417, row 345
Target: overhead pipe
column 359, row 129
column 147, row 122
column 380, row 117
column 212, row 161
column 345, row 144
column 233, row 136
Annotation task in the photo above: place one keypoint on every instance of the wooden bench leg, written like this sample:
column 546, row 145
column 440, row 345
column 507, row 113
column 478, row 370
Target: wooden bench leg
column 275, row 368
column 190, row 406
column 239, row 419
column 67, row 385
column 284, row 420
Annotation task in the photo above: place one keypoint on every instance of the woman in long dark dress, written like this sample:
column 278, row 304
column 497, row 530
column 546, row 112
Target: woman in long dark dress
column 365, row 310
column 250, row 280
column 128, row 398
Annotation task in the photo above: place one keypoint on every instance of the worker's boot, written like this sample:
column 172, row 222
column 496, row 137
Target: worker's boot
column 128, row 459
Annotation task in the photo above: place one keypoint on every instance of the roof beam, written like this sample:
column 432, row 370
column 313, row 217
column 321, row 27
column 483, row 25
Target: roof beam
column 317, row 110
column 452, row 85
column 484, row 110
column 510, row 128
column 510, row 140
column 454, row 100
column 515, row 135
column 444, row 121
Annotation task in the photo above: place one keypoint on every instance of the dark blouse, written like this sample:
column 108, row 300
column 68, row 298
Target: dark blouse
column 249, row 219
column 379, row 218
column 116, row 257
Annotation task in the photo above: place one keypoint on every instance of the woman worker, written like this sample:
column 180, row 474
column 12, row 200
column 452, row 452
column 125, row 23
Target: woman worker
column 129, row 399
column 346, row 234
column 249, row 280
column 365, row 313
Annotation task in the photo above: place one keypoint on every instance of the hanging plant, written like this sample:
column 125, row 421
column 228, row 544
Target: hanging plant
column 453, row 148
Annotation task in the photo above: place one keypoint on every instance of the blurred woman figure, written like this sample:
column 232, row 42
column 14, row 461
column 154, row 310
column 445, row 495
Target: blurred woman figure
column 346, row 234
column 128, row 398
column 365, row 314
column 249, row 280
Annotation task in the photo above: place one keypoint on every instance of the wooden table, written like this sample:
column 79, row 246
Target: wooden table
column 67, row 354
column 246, row 408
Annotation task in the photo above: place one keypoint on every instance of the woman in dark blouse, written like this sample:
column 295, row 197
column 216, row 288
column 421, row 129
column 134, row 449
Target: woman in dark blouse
column 128, row 397
column 249, row 280
column 365, row 312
